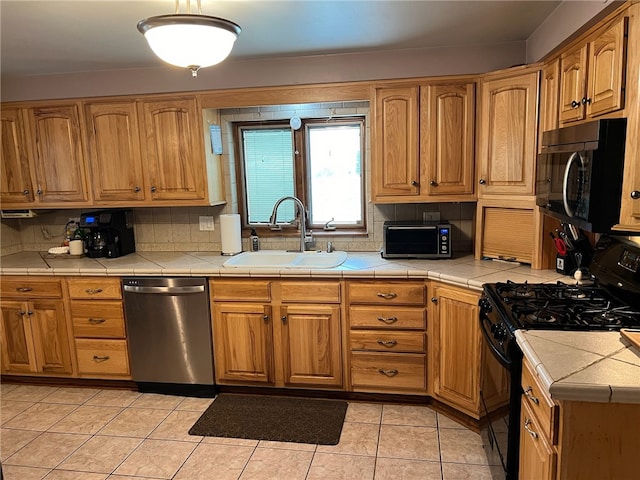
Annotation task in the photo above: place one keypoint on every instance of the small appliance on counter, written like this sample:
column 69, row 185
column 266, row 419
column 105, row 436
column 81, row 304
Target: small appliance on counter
column 110, row 233
column 405, row 239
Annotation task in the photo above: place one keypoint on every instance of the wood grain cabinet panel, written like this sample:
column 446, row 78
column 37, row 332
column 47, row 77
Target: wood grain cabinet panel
column 99, row 288
column 388, row 372
column 98, row 319
column 538, row 459
column 102, row 358
column 16, row 186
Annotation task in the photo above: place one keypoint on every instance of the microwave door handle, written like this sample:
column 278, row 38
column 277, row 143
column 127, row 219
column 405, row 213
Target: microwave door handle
column 565, row 181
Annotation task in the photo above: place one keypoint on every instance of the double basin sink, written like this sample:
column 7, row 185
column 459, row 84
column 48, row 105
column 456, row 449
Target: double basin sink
column 284, row 259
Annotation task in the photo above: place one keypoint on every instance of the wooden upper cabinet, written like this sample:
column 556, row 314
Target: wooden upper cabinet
column 115, row 157
column 174, row 150
column 58, row 154
column 508, row 132
column 396, row 163
column 15, row 184
column 549, row 97
column 593, row 75
column 447, row 139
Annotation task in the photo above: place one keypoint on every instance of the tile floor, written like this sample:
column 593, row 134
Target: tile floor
column 91, row 434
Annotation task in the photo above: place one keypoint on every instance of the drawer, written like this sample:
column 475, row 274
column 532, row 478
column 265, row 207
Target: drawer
column 103, row 319
column 387, row 293
column 96, row 287
column 30, row 287
column 102, row 357
column 541, row 406
column 388, row 372
column 314, row 291
column 388, row 341
column 242, row 290
column 396, row 318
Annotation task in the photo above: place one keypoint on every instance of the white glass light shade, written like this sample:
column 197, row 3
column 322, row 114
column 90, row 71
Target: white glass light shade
column 190, row 41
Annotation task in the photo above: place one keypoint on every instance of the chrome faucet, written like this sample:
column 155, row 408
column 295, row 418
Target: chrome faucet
column 304, row 239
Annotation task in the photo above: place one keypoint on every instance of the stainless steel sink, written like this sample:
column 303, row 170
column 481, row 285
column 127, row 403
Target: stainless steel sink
column 284, row 259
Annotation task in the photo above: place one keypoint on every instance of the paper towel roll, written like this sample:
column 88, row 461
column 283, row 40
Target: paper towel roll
column 230, row 234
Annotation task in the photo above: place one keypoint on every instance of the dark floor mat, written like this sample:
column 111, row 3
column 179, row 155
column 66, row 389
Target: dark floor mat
column 281, row 419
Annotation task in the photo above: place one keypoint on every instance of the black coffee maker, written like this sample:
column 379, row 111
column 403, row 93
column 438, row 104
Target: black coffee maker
column 109, row 233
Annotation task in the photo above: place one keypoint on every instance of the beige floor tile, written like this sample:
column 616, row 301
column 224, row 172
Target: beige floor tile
column 156, row 458
column 461, row 471
column 412, row 443
column 75, row 396
column 101, row 454
column 307, row 447
column 341, row 467
column 86, row 419
column 462, row 446
column 40, row 416
column 446, row 422
column 14, row 472
column 157, row 401
column 195, row 404
column 13, row 440
column 29, row 393
column 135, row 422
column 114, row 398
column 363, row 413
column 48, row 450
column 270, row 464
column 6, row 387
column 401, row 469
column 68, row 475
column 215, row 462
column 408, row 415
column 176, row 427
column 11, row 408
column 355, row 439
column 239, row 442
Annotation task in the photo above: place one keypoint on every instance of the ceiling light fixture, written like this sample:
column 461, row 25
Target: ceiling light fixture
column 190, row 41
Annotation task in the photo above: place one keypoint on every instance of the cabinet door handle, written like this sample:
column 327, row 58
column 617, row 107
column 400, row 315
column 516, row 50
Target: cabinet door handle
column 482, row 181
column 387, row 343
column 586, row 101
column 265, row 318
column 25, row 191
column 284, row 319
column 635, row 194
column 96, row 321
column 388, row 373
column 433, row 183
column 528, row 394
column 388, row 320
column 575, row 104
column 22, row 313
column 101, row 358
column 24, row 289
column 414, row 183
column 29, row 312
column 39, row 191
column 387, row 296
column 153, row 189
column 137, row 189
column 91, row 291
column 527, row 422
column 434, row 300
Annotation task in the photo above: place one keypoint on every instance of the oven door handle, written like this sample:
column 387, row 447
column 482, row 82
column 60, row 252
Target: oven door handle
column 565, row 181
column 500, row 356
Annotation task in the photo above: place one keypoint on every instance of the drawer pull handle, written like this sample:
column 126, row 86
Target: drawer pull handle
column 388, row 320
column 387, row 343
column 265, row 318
column 527, row 422
column 387, row 296
column 24, row 289
column 96, row 321
column 388, row 373
column 104, row 358
column 91, row 291
column 527, row 393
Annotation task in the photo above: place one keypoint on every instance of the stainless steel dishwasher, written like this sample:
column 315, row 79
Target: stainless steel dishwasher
column 169, row 334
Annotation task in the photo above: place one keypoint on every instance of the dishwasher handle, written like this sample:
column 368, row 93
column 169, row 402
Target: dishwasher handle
column 172, row 290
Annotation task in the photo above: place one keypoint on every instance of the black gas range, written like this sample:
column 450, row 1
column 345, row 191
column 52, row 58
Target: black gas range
column 608, row 300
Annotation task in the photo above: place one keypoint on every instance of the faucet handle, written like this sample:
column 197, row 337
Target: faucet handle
column 329, row 247
column 329, row 227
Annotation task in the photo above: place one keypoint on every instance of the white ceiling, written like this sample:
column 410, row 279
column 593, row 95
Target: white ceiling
column 47, row 37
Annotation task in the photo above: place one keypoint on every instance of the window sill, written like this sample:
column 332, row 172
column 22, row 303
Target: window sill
column 341, row 232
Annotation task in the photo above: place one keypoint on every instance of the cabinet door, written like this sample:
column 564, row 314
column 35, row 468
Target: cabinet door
column 573, row 77
column 18, row 351
column 114, row 152
column 50, row 336
column 59, row 162
column 175, row 150
column 447, row 139
column 457, row 346
column 15, row 182
column 395, row 166
column 242, row 341
column 508, row 132
column 549, row 97
column 605, row 89
column 537, row 458
column 311, row 346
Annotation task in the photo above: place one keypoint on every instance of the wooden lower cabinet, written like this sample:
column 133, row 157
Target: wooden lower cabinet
column 537, row 457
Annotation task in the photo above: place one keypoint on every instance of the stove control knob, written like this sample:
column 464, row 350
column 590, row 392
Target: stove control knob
column 485, row 305
column 499, row 331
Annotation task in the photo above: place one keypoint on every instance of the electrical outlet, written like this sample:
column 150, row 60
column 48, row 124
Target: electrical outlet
column 75, row 220
column 430, row 216
column 206, row 223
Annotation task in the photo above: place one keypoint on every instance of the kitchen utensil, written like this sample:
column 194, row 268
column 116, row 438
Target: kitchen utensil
column 561, row 247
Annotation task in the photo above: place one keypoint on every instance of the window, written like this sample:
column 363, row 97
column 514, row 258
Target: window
column 321, row 163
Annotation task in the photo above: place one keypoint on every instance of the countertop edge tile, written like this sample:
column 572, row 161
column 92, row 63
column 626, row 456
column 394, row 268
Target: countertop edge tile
column 623, row 394
column 580, row 392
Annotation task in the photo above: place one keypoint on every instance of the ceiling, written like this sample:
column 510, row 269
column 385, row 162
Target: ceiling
column 48, row 37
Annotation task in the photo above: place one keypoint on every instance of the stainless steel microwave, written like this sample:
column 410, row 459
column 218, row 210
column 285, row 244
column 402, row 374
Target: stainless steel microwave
column 416, row 240
column 579, row 173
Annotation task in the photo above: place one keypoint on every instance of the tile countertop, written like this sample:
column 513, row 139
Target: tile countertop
column 584, row 366
column 463, row 271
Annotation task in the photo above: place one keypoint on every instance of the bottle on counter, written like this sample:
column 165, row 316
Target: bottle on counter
column 255, row 240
